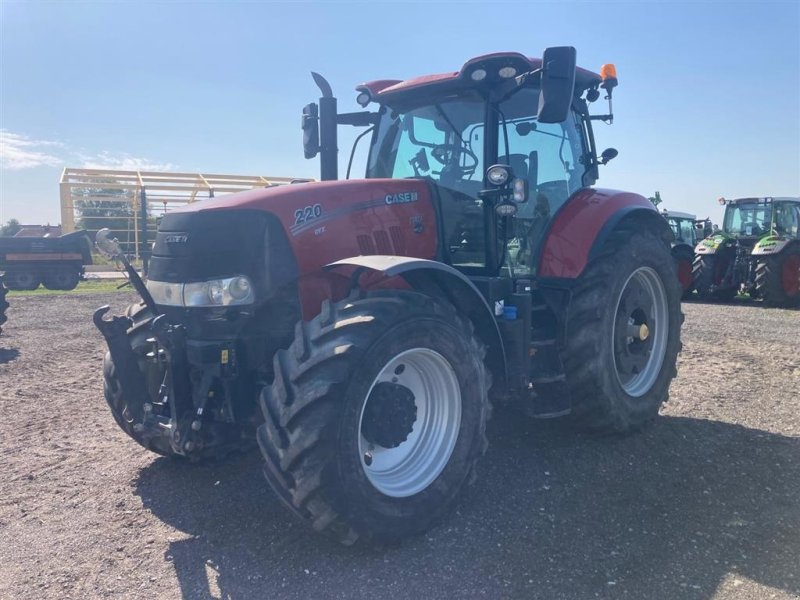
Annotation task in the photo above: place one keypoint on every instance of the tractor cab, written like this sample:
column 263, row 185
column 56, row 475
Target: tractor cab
column 502, row 143
column 684, row 227
column 755, row 218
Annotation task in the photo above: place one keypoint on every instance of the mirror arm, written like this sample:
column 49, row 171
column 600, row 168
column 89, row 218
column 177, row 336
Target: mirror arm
column 357, row 119
column 609, row 118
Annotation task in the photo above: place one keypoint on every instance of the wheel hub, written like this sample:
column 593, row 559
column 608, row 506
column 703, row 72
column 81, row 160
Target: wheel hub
column 389, row 415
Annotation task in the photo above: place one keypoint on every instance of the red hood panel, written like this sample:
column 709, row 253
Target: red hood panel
column 327, row 221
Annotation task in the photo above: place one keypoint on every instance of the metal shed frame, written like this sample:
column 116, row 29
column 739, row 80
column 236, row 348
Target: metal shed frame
column 147, row 193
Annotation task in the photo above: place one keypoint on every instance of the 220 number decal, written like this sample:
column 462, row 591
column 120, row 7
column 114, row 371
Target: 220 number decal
column 309, row 213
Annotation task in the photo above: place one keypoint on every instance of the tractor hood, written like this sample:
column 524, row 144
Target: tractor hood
column 303, row 205
column 302, row 227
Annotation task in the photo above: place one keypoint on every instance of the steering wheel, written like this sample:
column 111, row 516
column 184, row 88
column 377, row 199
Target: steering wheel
column 445, row 153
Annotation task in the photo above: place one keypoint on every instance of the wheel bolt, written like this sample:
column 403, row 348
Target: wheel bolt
column 368, row 458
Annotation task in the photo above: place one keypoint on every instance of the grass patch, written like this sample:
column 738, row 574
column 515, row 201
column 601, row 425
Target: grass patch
column 96, row 286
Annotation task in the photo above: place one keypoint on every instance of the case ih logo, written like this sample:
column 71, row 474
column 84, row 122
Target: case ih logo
column 401, row 198
column 177, row 239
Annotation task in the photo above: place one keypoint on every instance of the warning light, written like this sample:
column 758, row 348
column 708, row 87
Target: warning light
column 721, row 201
column 608, row 73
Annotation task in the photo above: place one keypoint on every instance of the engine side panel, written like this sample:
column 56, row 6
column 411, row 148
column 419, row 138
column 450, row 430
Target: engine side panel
column 578, row 224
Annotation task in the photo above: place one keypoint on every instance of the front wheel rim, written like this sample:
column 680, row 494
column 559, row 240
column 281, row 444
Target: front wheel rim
column 416, row 461
column 641, row 328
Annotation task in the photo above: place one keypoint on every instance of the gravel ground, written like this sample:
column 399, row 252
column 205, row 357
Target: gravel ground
column 704, row 503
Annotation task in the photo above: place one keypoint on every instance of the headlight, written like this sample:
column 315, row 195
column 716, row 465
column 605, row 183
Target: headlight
column 498, row 174
column 233, row 291
column 507, row 72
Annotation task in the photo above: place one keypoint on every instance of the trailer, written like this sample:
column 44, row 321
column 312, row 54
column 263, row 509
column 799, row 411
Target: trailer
column 57, row 262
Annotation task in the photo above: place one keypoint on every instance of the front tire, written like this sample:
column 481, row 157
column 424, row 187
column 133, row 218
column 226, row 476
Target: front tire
column 623, row 334
column 778, row 278
column 376, row 416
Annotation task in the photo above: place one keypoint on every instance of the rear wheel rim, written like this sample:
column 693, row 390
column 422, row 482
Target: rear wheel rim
column 641, row 328
column 791, row 275
column 685, row 274
column 414, row 463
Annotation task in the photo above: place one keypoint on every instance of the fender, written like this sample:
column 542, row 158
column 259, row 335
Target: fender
column 583, row 224
column 771, row 245
column 437, row 278
column 713, row 244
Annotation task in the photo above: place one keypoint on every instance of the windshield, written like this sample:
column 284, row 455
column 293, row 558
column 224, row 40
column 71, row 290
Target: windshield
column 748, row 219
column 441, row 141
column 683, row 230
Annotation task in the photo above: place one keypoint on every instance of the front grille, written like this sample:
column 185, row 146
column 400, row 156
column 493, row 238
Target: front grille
column 203, row 245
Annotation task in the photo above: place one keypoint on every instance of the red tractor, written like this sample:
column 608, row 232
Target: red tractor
column 359, row 330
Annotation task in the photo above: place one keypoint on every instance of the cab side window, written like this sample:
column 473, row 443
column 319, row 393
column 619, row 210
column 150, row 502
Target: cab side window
column 549, row 156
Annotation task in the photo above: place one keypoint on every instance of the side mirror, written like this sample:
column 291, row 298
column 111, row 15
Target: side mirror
column 607, row 155
column 557, row 84
column 310, row 125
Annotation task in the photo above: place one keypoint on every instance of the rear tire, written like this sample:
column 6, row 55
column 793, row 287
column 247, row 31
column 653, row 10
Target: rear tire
column 619, row 381
column 339, row 468
column 778, row 278
column 62, row 279
column 707, row 274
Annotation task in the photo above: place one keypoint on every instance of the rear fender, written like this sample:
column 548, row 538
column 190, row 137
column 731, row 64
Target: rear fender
column 433, row 278
column 772, row 245
column 583, row 225
column 712, row 245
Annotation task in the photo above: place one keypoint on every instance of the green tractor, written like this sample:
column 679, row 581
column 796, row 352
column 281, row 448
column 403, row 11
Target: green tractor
column 757, row 252
column 686, row 230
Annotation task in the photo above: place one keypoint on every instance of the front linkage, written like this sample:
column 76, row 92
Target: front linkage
column 172, row 395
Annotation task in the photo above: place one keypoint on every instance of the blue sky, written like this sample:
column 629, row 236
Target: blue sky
column 708, row 103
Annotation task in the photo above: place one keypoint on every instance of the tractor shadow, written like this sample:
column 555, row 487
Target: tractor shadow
column 8, row 355
column 670, row 511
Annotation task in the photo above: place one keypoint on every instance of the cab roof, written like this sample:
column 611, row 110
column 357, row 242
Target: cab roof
column 678, row 215
column 391, row 89
column 764, row 199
